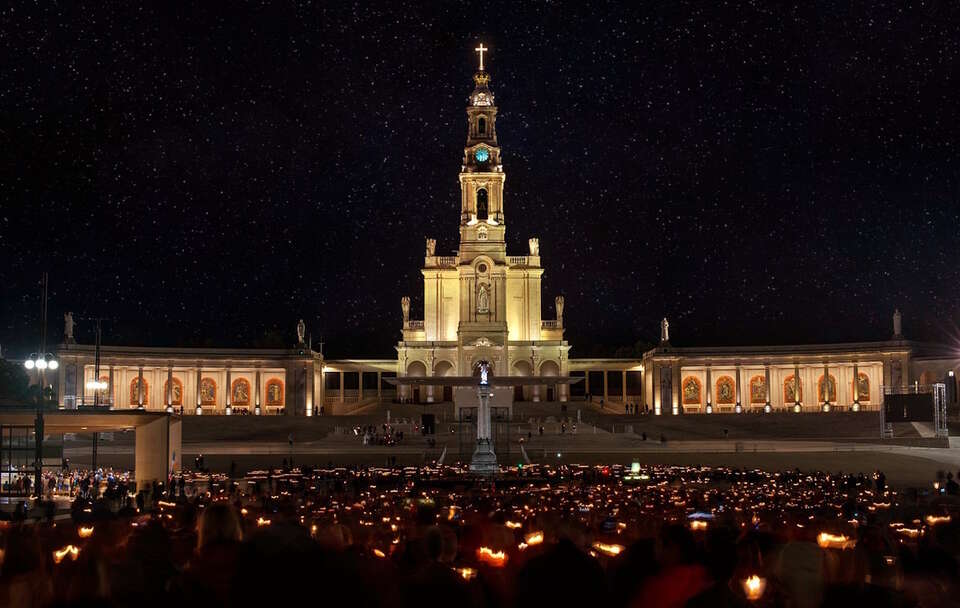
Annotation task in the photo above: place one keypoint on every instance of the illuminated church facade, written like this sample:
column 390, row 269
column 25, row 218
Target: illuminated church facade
column 482, row 304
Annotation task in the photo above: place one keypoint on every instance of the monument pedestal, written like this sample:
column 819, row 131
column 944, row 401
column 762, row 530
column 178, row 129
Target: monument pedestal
column 484, row 460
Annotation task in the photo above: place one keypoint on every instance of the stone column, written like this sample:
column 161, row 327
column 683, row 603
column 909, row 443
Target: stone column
column 140, row 387
column 643, row 388
column 256, row 401
column 308, row 383
column 739, row 393
column 168, row 397
column 586, row 382
column 655, row 390
column 856, row 386
column 379, row 386
column 228, row 393
column 61, row 385
column 81, row 381
column 342, row 375
column 606, row 395
column 766, row 383
column 826, row 387
column 709, row 387
column 675, row 389
column 113, row 394
column 623, row 385
column 199, row 377
column 360, row 386
column 797, row 399
column 563, row 392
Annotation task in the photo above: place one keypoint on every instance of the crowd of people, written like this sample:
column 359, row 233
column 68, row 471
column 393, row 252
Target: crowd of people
column 535, row 535
column 384, row 435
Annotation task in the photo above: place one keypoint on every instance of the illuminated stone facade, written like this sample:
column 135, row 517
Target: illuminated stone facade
column 481, row 304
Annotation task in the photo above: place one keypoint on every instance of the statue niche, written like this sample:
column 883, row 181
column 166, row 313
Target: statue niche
column 483, row 298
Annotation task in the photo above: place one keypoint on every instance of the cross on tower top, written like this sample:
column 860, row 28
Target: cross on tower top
column 481, row 49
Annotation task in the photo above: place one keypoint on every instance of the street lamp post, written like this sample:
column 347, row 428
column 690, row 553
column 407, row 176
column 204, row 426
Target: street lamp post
column 41, row 361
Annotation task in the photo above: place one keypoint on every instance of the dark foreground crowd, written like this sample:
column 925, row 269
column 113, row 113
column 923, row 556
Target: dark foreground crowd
column 562, row 536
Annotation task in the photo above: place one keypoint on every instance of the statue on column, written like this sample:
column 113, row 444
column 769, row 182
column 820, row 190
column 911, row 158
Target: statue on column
column 431, row 247
column 405, row 308
column 301, row 331
column 534, row 244
column 664, row 331
column 897, row 324
column 558, row 304
column 68, row 328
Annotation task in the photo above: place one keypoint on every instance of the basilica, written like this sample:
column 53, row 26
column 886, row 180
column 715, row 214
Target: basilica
column 483, row 305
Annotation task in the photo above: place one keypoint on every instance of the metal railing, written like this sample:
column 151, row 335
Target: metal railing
column 447, row 261
column 414, row 324
column 550, row 324
column 518, row 260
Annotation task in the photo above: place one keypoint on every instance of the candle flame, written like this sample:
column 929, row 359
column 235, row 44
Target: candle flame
column 835, row 541
column 753, row 587
column 60, row 555
column 608, row 549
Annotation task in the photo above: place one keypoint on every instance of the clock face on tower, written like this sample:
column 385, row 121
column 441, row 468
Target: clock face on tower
column 482, row 155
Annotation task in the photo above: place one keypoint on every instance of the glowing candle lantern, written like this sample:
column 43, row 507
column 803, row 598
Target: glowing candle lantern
column 497, row 559
column 85, row 532
column 263, row 522
column 608, row 549
column 835, row 541
column 534, row 538
column 934, row 520
column 698, row 525
column 753, row 587
column 68, row 551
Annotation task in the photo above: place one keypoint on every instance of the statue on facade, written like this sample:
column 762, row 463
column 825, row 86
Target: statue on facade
column 558, row 303
column 534, row 244
column 68, row 328
column 483, row 298
column 405, row 308
column 431, row 247
column 664, row 331
column 897, row 324
column 301, row 331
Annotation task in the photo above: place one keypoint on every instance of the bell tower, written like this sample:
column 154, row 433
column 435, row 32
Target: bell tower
column 481, row 176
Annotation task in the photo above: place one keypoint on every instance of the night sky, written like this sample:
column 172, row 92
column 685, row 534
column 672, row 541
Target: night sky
column 758, row 174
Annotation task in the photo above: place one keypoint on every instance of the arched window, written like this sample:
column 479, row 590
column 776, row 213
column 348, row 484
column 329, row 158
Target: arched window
column 758, row 390
column 208, row 391
column 240, row 392
column 275, row 392
column 863, row 387
column 792, row 392
column 134, row 393
column 481, row 126
column 176, row 394
column 726, row 391
column 828, row 392
column 482, row 204
column 691, row 391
